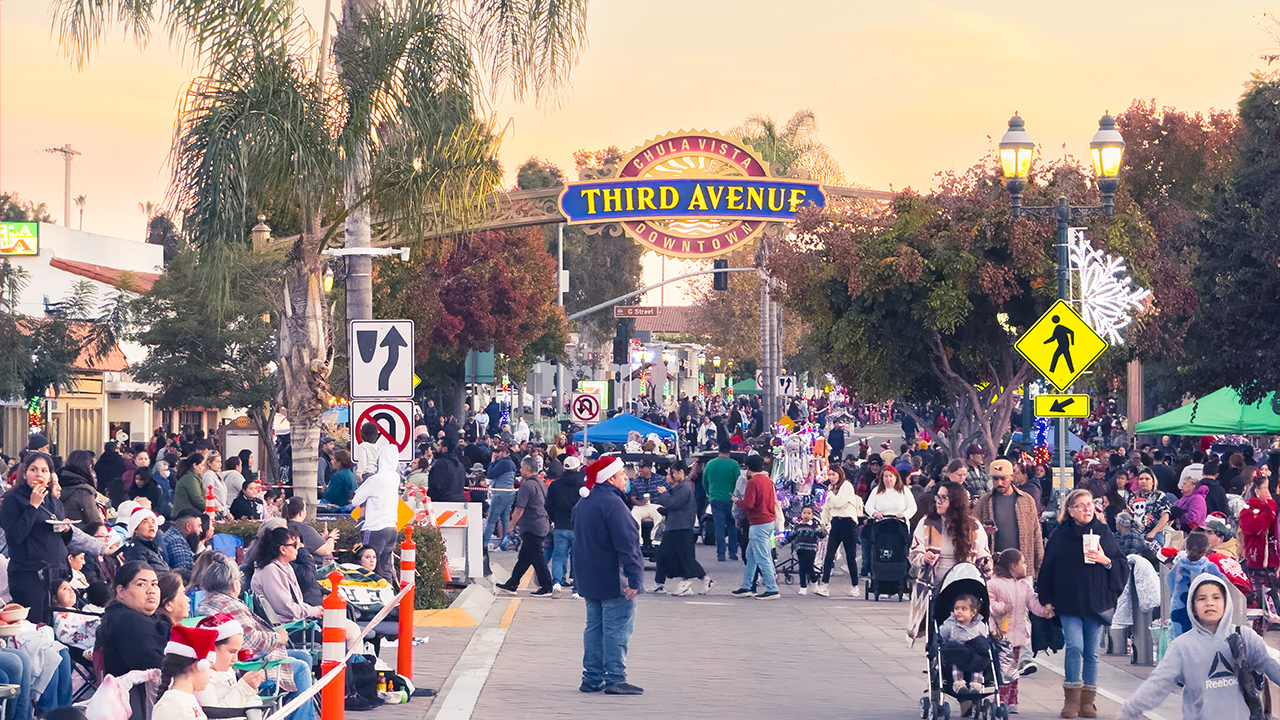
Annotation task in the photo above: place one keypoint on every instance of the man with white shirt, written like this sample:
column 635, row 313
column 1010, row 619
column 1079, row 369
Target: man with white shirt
column 379, row 495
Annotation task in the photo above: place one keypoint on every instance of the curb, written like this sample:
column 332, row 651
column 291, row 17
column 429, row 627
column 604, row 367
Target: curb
column 467, row 610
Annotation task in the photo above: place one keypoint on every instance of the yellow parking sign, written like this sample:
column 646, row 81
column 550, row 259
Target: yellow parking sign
column 1061, row 345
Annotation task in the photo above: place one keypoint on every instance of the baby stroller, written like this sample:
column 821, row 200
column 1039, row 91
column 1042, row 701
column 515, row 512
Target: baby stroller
column 889, row 540
column 986, row 705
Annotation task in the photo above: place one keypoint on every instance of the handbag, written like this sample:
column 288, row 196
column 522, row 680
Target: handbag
column 1046, row 634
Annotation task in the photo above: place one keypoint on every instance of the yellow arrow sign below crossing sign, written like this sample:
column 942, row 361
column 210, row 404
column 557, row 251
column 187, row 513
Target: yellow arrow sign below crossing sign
column 1062, row 406
column 1061, row 345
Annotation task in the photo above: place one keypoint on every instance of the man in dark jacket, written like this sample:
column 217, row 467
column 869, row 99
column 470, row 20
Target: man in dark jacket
column 447, row 478
column 835, row 441
column 606, row 549
column 1216, row 500
column 110, row 470
column 562, row 496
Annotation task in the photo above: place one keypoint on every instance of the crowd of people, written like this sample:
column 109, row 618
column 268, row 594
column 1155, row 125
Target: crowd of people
column 113, row 553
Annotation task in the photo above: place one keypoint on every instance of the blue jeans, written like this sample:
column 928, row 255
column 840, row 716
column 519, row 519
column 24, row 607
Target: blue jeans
column 604, row 642
column 560, row 555
column 760, row 557
column 722, row 513
column 15, row 669
column 499, row 511
column 1082, row 636
column 58, row 693
column 302, row 681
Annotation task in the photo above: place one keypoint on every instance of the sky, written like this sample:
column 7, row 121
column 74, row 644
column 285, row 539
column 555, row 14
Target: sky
column 901, row 90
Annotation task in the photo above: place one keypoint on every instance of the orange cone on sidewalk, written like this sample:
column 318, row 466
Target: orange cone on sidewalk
column 333, row 650
column 210, row 504
column 408, row 573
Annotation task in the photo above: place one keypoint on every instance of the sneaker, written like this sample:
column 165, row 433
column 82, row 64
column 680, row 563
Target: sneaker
column 622, row 688
column 556, row 590
column 802, row 591
column 542, row 592
column 769, row 595
column 507, row 589
column 822, row 590
column 707, row 589
column 856, row 591
column 575, row 596
column 660, row 590
column 588, row 688
column 733, row 558
column 743, row 592
column 685, row 589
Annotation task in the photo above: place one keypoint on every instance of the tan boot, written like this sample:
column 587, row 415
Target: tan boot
column 1088, row 696
column 1071, row 702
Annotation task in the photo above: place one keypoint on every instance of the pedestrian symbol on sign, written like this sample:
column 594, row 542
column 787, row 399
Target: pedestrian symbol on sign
column 1065, row 338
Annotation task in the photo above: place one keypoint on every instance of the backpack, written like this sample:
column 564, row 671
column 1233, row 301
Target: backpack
column 362, row 684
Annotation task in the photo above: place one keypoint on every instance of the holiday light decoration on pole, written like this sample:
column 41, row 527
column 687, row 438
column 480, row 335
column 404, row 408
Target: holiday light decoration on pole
column 1108, row 297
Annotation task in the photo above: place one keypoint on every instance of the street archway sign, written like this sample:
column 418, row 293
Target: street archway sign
column 689, row 194
column 1060, row 345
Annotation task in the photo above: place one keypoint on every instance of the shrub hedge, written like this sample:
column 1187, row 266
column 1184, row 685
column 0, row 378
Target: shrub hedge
column 429, row 590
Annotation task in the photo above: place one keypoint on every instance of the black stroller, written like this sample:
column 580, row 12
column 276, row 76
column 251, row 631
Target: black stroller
column 889, row 569
column 986, row 705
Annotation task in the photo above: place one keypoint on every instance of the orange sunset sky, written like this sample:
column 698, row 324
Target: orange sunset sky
column 901, row 90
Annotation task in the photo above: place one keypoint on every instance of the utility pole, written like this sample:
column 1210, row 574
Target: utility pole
column 67, row 153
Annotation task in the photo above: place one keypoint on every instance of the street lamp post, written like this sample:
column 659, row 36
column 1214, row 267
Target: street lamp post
column 1016, row 150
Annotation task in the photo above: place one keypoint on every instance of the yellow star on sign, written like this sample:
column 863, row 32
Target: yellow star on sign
column 1061, row 345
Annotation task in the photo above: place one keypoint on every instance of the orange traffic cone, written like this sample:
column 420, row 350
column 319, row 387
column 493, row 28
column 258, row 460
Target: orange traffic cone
column 210, row 505
column 448, row 577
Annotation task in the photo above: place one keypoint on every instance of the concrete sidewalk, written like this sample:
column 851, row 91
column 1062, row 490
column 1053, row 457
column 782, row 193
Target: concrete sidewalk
column 714, row 655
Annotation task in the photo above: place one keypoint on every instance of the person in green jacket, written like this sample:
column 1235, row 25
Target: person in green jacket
column 189, row 492
column 719, row 477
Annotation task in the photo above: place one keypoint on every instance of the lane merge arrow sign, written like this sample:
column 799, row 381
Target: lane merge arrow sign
column 1050, row 406
column 380, row 359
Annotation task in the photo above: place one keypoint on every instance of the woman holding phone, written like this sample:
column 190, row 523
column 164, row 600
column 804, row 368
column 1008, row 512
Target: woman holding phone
column 36, row 527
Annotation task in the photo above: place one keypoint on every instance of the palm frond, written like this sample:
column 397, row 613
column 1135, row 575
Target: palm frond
column 81, row 24
column 529, row 44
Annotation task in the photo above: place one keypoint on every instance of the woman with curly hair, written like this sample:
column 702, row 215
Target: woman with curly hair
column 949, row 535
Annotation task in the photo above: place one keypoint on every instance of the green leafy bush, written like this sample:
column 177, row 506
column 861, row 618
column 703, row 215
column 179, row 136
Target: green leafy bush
column 429, row 592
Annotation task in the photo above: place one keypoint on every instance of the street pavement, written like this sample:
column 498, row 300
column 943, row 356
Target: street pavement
column 709, row 656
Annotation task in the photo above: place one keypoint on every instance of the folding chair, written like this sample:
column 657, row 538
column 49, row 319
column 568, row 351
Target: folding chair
column 303, row 634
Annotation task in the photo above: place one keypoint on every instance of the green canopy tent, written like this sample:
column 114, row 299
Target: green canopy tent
column 1218, row 413
column 746, row 387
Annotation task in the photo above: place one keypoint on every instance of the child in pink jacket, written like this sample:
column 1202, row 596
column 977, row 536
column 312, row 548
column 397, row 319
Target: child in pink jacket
column 1012, row 597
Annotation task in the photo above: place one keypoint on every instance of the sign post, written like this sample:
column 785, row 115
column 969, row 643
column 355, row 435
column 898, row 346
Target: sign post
column 1061, row 346
column 585, row 408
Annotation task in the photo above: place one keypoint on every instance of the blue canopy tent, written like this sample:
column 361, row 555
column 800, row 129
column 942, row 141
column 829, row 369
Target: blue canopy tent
column 617, row 428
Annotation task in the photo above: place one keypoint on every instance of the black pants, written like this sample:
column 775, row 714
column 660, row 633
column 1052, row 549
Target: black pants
column 531, row 556
column 807, row 558
column 31, row 588
column 677, row 557
column 843, row 530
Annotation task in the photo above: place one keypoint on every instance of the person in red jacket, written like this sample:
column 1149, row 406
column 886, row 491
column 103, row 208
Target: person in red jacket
column 1261, row 552
column 758, row 501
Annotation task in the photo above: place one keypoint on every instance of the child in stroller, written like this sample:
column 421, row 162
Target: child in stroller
column 965, row 647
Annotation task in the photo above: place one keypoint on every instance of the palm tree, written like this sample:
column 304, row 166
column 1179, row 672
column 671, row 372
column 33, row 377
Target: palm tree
column 148, row 209
column 396, row 130
column 794, row 146
column 80, row 201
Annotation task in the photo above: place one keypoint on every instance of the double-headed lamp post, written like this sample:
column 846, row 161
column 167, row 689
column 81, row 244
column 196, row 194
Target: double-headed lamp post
column 1016, row 150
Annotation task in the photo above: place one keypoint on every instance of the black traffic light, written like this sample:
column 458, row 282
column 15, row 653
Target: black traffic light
column 621, row 343
column 720, row 280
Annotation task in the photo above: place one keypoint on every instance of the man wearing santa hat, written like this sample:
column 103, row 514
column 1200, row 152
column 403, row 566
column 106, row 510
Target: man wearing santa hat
column 606, row 552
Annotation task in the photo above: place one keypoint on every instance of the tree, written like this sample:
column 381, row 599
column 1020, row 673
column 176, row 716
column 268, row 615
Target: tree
column 80, row 201
column 202, row 359
column 262, row 129
column 162, row 231
column 728, row 321
column 40, row 354
column 496, row 290
column 923, row 303
column 15, row 209
column 601, row 266
column 1234, row 338
column 794, row 146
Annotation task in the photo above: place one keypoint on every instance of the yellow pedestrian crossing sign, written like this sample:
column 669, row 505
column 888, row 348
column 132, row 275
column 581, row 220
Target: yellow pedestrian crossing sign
column 1061, row 345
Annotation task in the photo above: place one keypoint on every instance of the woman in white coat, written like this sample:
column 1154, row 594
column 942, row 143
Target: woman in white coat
column 891, row 499
column 840, row 514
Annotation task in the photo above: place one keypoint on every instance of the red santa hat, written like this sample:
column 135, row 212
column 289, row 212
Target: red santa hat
column 193, row 642
column 224, row 624
column 600, row 471
column 136, row 517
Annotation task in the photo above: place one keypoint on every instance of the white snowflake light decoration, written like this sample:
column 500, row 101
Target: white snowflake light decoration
column 1108, row 297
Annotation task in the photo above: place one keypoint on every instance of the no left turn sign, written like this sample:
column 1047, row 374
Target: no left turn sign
column 585, row 407
column 394, row 420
